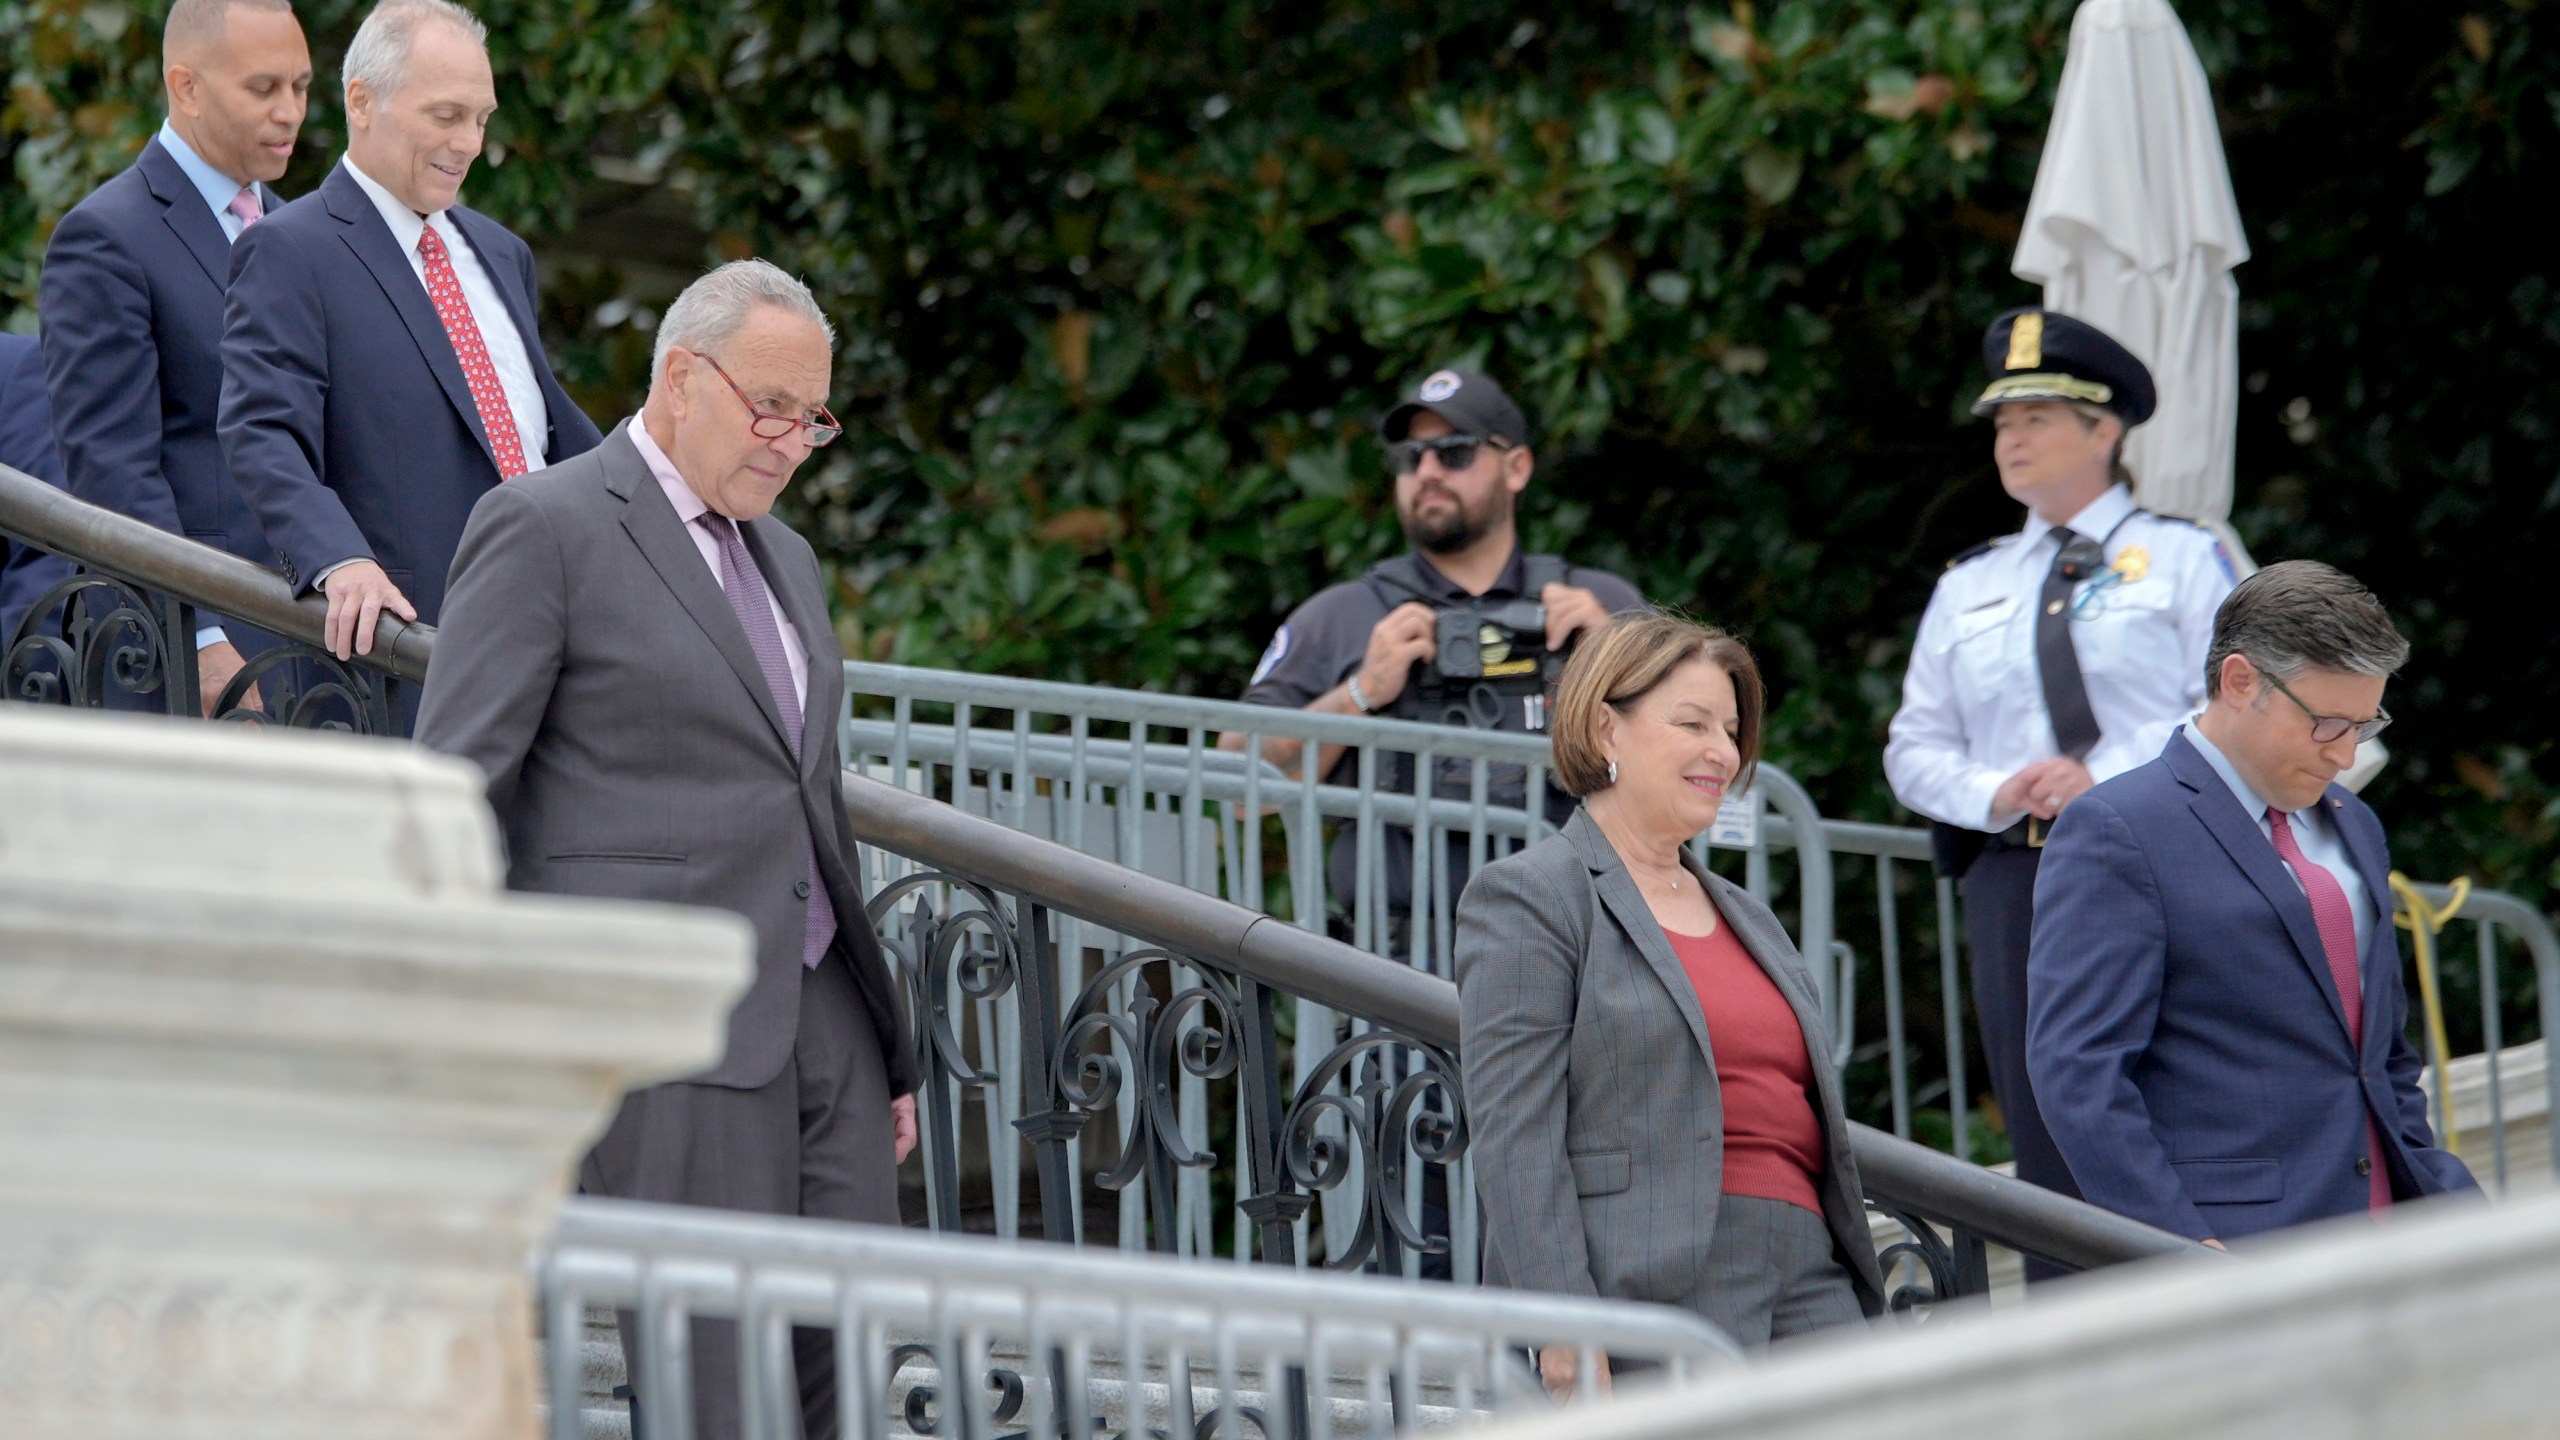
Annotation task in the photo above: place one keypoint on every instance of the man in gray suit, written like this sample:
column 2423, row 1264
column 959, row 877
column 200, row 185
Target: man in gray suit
column 639, row 656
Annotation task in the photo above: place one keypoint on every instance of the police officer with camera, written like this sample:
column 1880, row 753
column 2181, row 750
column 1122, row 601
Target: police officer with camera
column 2049, row 659
column 1464, row 629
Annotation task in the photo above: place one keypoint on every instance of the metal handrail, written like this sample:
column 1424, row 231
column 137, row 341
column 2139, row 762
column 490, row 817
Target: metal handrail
column 1897, row 1173
column 1275, row 953
column 210, row 579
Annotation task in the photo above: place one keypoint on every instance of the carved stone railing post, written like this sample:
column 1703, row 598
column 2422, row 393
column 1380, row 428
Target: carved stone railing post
column 290, row 1087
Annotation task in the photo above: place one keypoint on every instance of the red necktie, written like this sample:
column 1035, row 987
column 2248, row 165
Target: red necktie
column 2336, row 919
column 445, row 288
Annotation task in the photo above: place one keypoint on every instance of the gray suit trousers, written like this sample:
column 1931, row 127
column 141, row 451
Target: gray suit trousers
column 1773, row 1273
column 814, row 1141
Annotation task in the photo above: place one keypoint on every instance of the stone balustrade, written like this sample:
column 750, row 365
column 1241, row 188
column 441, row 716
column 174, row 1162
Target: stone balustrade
column 290, row 1087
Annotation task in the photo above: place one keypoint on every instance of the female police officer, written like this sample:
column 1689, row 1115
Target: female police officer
column 2048, row 660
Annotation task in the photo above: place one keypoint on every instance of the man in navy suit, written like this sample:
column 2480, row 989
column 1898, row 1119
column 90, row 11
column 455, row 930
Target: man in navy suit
column 2215, row 1020
column 381, row 366
column 131, row 298
column 26, row 443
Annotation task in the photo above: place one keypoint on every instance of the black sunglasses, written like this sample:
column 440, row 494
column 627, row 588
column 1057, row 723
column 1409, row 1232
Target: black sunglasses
column 1456, row 452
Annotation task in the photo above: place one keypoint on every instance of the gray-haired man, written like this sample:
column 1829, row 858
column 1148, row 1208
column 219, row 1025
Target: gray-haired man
column 638, row 654
column 381, row 366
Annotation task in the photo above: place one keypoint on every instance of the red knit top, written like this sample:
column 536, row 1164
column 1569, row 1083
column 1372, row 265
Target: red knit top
column 1772, row 1137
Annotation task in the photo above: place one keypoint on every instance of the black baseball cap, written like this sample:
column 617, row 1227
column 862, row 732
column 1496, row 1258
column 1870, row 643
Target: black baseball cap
column 2033, row 354
column 1471, row 403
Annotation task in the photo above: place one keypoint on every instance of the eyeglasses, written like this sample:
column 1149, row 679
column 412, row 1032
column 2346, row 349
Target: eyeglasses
column 769, row 425
column 1456, row 452
column 2328, row 728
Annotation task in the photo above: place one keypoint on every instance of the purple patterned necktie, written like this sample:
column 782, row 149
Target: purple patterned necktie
column 754, row 606
column 2335, row 917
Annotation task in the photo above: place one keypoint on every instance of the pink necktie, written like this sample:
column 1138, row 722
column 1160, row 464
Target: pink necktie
column 445, row 288
column 246, row 206
column 2336, row 919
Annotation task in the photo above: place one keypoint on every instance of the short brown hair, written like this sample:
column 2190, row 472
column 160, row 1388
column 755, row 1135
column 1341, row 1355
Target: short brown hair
column 1620, row 667
column 2298, row 615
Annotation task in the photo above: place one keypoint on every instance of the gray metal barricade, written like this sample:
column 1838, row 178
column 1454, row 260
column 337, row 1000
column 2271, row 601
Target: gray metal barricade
column 1005, row 1337
column 1158, row 793
column 1139, row 778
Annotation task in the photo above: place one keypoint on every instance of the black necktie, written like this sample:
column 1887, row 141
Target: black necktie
column 2066, row 695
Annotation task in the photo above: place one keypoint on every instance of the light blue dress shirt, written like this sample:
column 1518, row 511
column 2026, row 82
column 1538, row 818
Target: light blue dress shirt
column 2314, row 829
column 218, row 191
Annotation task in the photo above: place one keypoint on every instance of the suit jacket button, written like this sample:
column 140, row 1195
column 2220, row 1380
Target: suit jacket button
column 802, row 890
column 2364, row 1163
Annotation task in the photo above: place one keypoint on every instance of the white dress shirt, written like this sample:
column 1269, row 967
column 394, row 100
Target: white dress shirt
column 1973, row 711
column 509, row 353
column 690, row 510
column 218, row 190
column 2314, row 829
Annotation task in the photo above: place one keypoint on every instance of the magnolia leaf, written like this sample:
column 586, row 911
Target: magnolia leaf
column 1771, row 174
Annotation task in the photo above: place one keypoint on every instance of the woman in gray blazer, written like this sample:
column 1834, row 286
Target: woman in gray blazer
column 1653, row 1115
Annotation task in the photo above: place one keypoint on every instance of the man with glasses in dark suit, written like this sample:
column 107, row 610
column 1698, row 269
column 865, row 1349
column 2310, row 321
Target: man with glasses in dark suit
column 2216, row 1027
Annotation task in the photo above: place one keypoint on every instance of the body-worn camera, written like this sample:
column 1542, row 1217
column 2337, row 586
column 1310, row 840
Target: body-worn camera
column 1491, row 641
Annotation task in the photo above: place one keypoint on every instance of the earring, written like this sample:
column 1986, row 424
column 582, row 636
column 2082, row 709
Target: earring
column 1613, row 772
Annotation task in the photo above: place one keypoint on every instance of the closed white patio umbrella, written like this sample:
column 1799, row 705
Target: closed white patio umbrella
column 2133, row 228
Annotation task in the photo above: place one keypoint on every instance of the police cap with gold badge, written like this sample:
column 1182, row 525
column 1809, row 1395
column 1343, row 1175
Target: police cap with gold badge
column 2034, row 354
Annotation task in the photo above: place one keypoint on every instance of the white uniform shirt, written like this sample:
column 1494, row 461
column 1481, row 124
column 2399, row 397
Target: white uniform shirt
column 1973, row 710
column 508, row 353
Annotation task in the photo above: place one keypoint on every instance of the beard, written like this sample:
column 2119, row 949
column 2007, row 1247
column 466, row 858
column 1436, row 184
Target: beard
column 1452, row 528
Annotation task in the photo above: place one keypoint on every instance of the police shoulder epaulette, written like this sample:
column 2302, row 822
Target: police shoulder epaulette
column 1976, row 552
column 2183, row 520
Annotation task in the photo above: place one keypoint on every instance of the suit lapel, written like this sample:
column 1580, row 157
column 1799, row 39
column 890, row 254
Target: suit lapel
column 182, row 207
column 372, row 242
column 806, row 609
column 2237, row 832
column 652, row 524
column 1625, row 903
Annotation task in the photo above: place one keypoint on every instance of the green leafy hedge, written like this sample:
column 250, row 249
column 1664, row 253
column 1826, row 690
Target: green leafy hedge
column 1123, row 284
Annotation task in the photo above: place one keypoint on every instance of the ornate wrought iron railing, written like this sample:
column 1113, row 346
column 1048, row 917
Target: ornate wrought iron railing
column 1196, row 996
column 1189, row 995
column 121, row 634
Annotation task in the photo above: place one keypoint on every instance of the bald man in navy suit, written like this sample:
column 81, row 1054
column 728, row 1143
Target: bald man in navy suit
column 132, row 294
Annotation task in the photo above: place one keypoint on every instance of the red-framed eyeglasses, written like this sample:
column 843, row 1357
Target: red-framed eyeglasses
column 769, row 425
